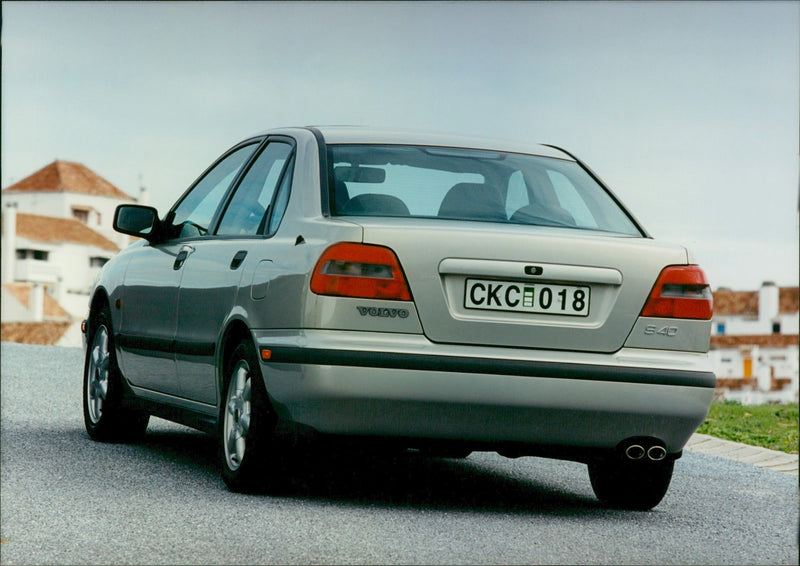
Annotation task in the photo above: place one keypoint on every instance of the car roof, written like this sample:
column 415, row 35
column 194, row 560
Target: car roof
column 368, row 135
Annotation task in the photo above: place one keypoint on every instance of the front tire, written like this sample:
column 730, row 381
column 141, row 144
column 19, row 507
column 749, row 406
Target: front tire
column 637, row 486
column 247, row 426
column 104, row 414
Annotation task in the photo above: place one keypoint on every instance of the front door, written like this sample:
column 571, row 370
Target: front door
column 149, row 304
column 149, row 316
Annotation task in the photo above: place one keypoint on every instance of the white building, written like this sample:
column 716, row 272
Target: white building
column 754, row 344
column 56, row 235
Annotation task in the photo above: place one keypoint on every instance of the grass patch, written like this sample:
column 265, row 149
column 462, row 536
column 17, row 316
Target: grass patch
column 769, row 426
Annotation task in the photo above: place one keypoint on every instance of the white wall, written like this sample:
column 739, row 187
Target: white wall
column 13, row 310
column 76, row 304
column 60, row 205
column 729, row 362
column 44, row 203
column 42, row 271
column 67, row 264
column 739, row 325
column 76, row 272
column 790, row 323
column 784, row 360
column 104, row 205
column 67, row 269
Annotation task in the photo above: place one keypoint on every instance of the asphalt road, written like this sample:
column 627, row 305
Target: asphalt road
column 67, row 500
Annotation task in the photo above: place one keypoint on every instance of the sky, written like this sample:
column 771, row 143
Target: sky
column 689, row 111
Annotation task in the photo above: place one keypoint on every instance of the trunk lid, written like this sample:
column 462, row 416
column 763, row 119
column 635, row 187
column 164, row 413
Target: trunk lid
column 481, row 283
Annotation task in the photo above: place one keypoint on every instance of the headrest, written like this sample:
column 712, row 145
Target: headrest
column 473, row 201
column 537, row 213
column 341, row 195
column 376, row 205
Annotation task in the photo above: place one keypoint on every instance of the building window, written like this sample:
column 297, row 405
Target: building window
column 82, row 215
column 97, row 261
column 39, row 255
column 720, row 328
column 776, row 327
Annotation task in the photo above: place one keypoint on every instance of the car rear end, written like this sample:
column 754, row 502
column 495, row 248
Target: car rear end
column 496, row 300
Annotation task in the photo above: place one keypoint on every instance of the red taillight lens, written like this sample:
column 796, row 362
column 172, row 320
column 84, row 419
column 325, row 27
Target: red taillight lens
column 360, row 270
column 681, row 291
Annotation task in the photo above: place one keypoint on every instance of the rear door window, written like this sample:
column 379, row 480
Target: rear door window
column 193, row 214
column 250, row 206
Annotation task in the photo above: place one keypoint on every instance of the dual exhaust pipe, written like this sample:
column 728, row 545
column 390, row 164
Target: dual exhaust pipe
column 652, row 452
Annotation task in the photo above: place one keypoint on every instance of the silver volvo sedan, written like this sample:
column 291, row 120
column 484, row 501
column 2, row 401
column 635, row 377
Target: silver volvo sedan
column 420, row 291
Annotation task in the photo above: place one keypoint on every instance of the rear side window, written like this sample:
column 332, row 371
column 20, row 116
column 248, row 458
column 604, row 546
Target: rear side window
column 250, row 206
column 466, row 184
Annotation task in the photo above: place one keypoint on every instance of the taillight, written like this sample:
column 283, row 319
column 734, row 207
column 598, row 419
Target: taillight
column 681, row 291
column 360, row 270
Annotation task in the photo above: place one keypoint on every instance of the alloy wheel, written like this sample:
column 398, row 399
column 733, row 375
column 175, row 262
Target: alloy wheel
column 97, row 375
column 237, row 415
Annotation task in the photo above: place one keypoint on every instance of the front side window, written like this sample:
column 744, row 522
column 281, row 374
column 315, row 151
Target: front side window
column 466, row 184
column 249, row 208
column 193, row 214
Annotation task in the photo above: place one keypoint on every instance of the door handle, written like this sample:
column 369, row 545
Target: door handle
column 238, row 259
column 181, row 257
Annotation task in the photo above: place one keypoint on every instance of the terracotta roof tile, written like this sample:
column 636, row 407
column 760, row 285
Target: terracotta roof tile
column 22, row 292
column 761, row 340
column 45, row 333
column 789, row 301
column 68, row 177
column 744, row 303
column 57, row 230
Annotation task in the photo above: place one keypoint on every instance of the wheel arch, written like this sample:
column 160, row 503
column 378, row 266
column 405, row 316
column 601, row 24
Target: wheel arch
column 99, row 301
column 236, row 332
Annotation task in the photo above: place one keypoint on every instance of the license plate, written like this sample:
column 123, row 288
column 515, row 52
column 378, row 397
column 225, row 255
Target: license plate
column 541, row 298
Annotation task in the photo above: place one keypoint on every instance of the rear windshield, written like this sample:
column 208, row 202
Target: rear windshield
column 466, row 184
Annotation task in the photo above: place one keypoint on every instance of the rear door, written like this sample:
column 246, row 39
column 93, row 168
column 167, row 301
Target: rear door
column 226, row 264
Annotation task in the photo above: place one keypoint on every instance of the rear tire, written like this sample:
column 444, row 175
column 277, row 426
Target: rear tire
column 104, row 414
column 248, row 452
column 638, row 486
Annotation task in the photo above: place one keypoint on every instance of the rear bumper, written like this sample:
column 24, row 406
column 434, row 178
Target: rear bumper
column 403, row 386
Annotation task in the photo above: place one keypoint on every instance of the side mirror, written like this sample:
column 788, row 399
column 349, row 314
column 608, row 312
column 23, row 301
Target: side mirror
column 137, row 220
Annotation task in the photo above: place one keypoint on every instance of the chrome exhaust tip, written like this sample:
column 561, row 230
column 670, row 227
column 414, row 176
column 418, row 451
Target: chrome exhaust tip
column 657, row 453
column 635, row 452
